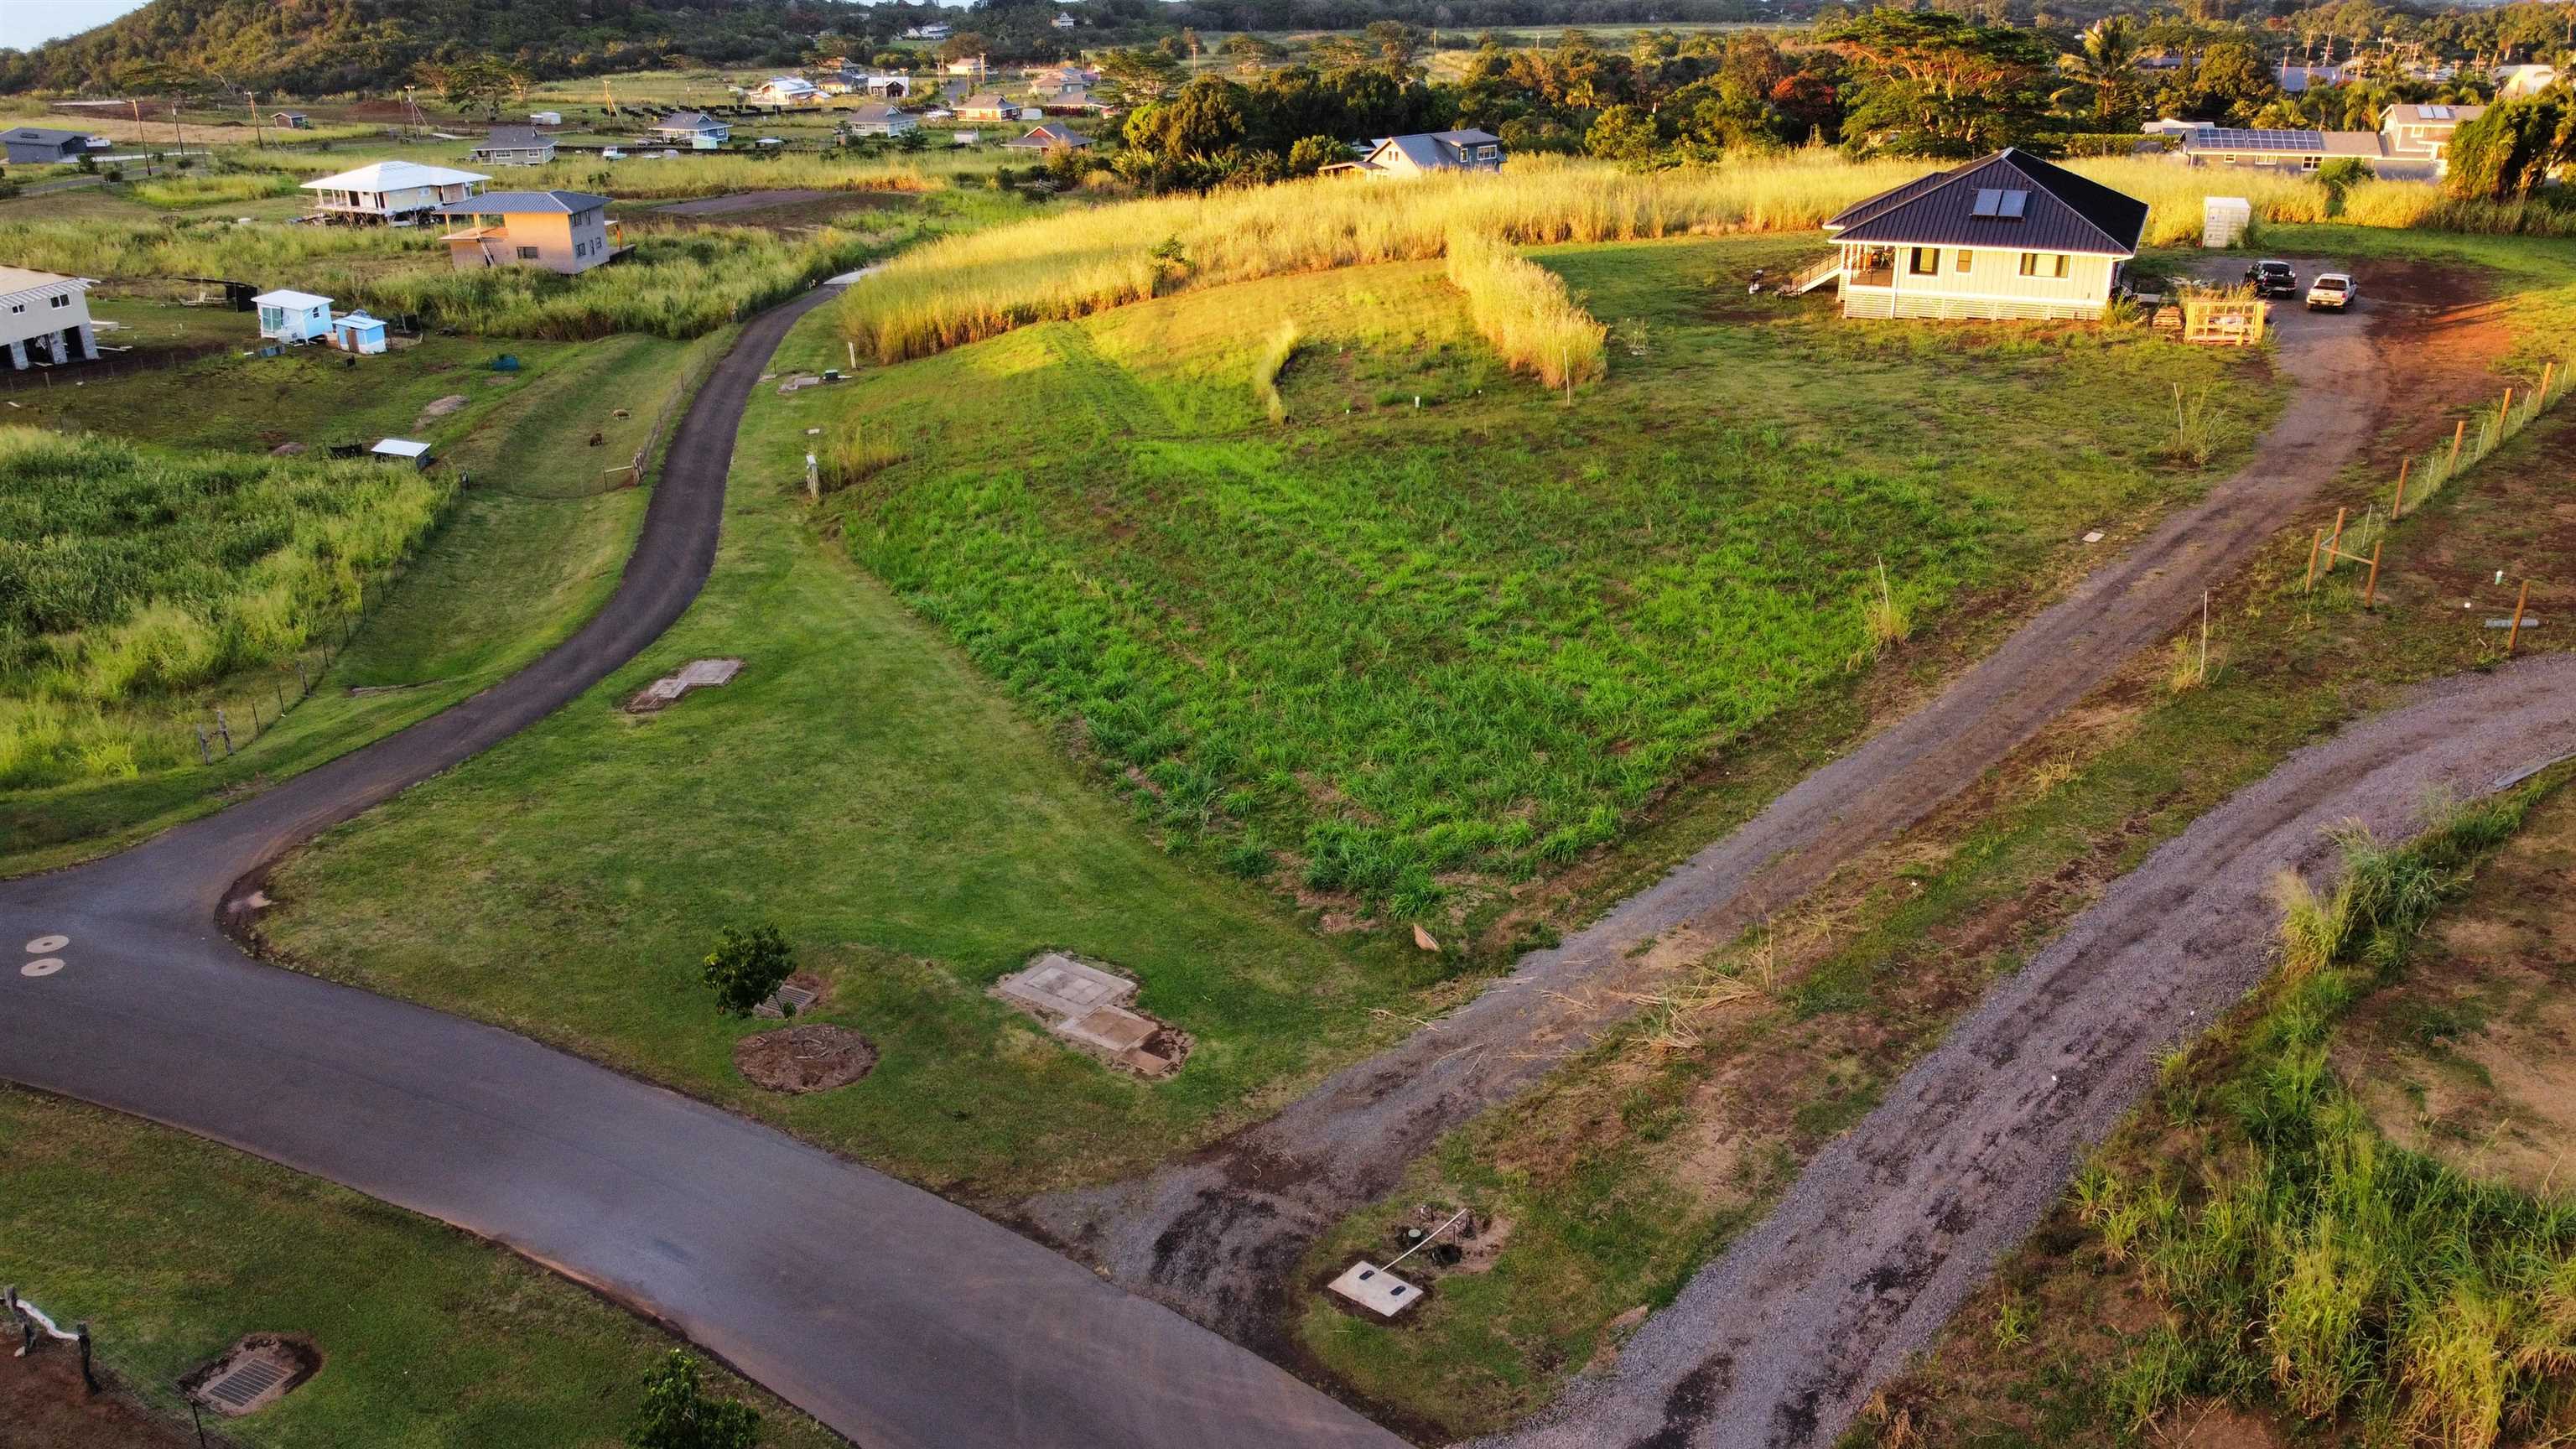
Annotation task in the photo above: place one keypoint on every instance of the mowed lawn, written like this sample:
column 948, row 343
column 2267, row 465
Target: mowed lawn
column 1442, row 631
column 912, row 832
column 172, row 1248
column 1484, row 622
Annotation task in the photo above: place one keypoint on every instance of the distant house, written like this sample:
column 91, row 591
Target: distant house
column 545, row 118
column 291, row 120
column 356, row 332
column 988, row 107
column 44, row 318
column 560, row 231
column 2005, row 237
column 43, row 145
column 1427, row 152
column 888, row 87
column 879, row 120
column 393, row 193
column 516, row 146
column 927, row 32
column 1049, row 138
column 971, row 65
column 2513, row 81
column 286, row 316
column 2423, row 133
column 695, row 129
column 2277, row 150
column 1062, row 21
column 786, row 91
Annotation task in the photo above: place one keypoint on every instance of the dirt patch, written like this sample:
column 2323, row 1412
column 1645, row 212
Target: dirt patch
column 43, row 1402
column 439, row 409
column 254, row 1373
column 813, row 1057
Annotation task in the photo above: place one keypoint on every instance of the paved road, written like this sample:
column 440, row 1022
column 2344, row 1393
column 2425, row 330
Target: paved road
column 893, row 1316
column 1220, row 1236
column 1778, row 1343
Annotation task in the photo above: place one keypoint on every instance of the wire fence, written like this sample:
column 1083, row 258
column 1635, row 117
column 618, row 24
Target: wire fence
column 99, row 1364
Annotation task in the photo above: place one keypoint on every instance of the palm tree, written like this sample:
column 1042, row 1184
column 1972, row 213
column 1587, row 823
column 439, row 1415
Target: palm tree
column 2107, row 66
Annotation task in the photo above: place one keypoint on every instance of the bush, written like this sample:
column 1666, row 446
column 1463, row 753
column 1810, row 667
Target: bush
column 677, row 1414
column 747, row 967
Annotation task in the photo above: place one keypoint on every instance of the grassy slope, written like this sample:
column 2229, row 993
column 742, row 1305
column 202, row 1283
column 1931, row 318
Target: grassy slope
column 173, row 1248
column 911, row 833
column 514, row 569
column 1581, row 601
column 1622, row 1174
column 862, row 785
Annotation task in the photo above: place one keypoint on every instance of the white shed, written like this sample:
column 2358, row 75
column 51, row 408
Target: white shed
column 402, row 450
column 293, row 316
column 2224, row 220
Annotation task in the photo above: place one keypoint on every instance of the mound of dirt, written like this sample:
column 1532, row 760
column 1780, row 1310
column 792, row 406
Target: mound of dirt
column 440, row 409
column 815, row 1057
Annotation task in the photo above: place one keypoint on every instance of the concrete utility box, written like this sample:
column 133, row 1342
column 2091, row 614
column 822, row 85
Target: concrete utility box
column 1376, row 1289
column 2224, row 220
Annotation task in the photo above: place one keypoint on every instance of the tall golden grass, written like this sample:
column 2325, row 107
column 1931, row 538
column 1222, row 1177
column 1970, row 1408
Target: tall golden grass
column 1523, row 309
column 1068, row 265
column 1265, row 369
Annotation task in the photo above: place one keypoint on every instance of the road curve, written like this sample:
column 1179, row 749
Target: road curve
column 1220, row 1236
column 1779, row 1342
column 895, row 1317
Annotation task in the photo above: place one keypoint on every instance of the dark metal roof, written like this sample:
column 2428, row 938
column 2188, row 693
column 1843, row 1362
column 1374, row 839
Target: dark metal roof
column 507, row 138
column 507, row 203
column 1972, row 205
column 42, row 135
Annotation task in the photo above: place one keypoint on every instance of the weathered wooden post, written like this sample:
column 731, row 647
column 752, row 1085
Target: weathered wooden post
column 2514, row 631
column 2458, row 435
column 2370, row 590
column 2397, row 510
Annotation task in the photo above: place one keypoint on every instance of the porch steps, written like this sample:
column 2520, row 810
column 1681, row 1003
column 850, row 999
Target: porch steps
column 1815, row 276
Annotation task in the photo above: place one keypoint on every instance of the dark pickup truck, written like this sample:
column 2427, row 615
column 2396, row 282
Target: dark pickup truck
column 2272, row 279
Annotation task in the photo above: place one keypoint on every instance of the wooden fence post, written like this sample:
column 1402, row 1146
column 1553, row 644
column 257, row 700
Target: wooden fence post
column 2334, row 545
column 2457, row 434
column 2315, row 542
column 2397, row 510
column 2514, row 630
column 2370, row 590
column 2504, row 414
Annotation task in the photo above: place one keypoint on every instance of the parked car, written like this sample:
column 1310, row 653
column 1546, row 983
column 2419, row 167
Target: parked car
column 2272, row 279
column 2332, row 291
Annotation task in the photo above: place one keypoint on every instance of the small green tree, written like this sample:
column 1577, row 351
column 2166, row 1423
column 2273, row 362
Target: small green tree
column 677, row 1414
column 746, row 966
column 1313, row 153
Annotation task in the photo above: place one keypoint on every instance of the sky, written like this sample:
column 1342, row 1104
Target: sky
column 25, row 24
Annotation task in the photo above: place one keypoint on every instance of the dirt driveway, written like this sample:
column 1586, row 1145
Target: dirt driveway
column 1778, row 1343
column 1219, row 1236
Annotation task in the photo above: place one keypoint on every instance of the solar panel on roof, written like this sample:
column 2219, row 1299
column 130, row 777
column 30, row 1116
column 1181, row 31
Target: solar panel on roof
column 2437, row 113
column 2015, row 203
column 2221, row 138
column 1989, row 201
column 1996, row 204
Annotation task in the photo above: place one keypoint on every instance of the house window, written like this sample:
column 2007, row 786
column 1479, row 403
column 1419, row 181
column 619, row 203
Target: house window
column 2043, row 264
column 527, row 254
column 2308, row 163
column 17, row 307
column 1924, row 262
column 59, row 299
column 1967, row 261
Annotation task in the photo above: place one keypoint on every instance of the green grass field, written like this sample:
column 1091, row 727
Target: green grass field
column 919, row 826
column 913, row 833
column 173, row 1248
column 524, row 554
column 1440, row 632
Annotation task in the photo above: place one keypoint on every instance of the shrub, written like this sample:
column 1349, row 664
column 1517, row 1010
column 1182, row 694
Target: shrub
column 677, row 1414
column 746, row 967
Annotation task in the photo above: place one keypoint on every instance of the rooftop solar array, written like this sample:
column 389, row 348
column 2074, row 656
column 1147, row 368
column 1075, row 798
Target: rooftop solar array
column 2434, row 113
column 2001, row 205
column 2222, row 138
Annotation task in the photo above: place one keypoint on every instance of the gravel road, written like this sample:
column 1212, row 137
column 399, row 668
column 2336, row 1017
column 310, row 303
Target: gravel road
column 1218, row 1236
column 1780, row 1341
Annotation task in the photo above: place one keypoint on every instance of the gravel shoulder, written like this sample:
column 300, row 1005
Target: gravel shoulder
column 1780, row 1341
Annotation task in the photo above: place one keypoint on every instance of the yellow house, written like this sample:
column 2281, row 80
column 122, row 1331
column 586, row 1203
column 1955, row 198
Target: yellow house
column 2008, row 236
column 561, row 231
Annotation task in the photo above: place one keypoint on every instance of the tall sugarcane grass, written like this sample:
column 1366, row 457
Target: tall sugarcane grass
column 678, row 283
column 178, row 192
column 1266, row 366
column 2347, row 1279
column 1069, row 265
column 1524, row 311
column 128, row 575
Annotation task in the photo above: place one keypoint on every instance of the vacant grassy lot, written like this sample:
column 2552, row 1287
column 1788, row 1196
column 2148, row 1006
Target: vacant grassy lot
column 1441, row 632
column 173, row 1248
column 861, row 785
column 521, row 557
column 1627, row 1170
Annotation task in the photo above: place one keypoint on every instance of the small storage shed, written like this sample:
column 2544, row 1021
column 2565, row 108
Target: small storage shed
column 401, row 450
column 358, row 332
column 293, row 316
column 2224, row 220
